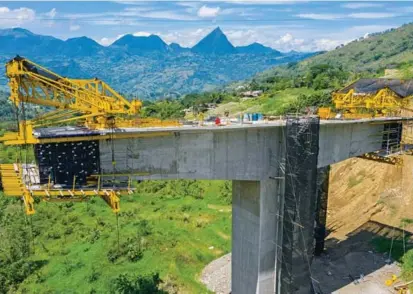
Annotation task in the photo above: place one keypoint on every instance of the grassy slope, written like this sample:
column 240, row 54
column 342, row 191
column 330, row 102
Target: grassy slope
column 270, row 103
column 389, row 49
column 182, row 229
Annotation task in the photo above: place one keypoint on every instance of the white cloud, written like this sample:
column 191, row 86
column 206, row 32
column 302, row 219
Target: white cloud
column 74, row 28
column 359, row 5
column 16, row 17
column 52, row 13
column 141, row 34
column 372, row 15
column 263, row 2
column 208, row 12
column 105, row 41
column 360, row 15
column 172, row 15
column 186, row 38
column 128, row 16
column 320, row 16
column 108, row 41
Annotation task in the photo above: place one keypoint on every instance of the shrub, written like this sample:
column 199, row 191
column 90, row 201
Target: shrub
column 113, row 254
column 94, row 275
column 124, row 284
column 94, row 236
column 55, row 234
column 407, row 265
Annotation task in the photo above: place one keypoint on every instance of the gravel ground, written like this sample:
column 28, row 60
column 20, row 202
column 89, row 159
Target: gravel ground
column 217, row 275
column 367, row 268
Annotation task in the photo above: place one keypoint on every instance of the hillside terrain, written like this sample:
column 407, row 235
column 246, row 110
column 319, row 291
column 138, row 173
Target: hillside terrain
column 370, row 55
column 170, row 230
column 146, row 67
column 294, row 87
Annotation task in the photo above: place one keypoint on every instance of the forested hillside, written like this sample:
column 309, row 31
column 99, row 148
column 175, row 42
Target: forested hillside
column 168, row 231
column 6, row 112
column 366, row 56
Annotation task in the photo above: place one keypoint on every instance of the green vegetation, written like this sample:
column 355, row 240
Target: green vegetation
column 173, row 228
column 400, row 251
column 169, row 230
column 396, row 246
column 407, row 266
column 364, row 57
column 6, row 111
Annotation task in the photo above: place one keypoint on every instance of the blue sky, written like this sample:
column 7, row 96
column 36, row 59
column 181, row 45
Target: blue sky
column 283, row 25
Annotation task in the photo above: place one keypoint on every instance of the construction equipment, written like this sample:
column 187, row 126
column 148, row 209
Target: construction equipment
column 91, row 102
column 398, row 285
column 67, row 167
column 368, row 98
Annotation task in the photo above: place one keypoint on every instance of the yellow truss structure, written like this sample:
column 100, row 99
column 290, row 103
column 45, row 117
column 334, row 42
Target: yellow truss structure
column 93, row 99
column 90, row 101
column 393, row 160
column 364, row 105
column 385, row 100
column 15, row 186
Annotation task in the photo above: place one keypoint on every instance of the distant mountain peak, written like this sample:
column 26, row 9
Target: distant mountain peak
column 216, row 42
column 175, row 47
column 138, row 44
column 83, row 39
column 256, row 48
column 16, row 32
column 217, row 30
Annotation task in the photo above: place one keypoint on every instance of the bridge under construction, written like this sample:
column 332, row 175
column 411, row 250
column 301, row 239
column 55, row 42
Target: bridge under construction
column 93, row 145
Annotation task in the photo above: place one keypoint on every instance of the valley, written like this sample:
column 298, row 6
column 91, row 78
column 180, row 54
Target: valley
column 145, row 67
column 168, row 231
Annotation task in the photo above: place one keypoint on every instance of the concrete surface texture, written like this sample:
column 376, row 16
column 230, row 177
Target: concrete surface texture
column 232, row 153
column 254, row 223
column 253, row 157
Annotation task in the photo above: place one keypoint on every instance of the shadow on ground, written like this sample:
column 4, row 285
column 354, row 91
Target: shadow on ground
column 365, row 253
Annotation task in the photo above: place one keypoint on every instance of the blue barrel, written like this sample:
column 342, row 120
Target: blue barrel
column 260, row 116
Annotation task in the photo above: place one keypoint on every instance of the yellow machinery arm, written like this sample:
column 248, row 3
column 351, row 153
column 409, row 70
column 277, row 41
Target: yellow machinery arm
column 92, row 100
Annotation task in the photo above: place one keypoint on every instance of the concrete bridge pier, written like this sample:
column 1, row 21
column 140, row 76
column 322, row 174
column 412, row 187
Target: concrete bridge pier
column 323, row 178
column 254, row 237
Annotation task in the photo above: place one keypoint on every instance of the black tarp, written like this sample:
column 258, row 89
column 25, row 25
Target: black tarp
column 63, row 161
column 302, row 144
column 403, row 88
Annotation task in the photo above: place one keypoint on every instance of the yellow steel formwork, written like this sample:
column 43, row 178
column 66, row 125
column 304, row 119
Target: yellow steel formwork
column 14, row 186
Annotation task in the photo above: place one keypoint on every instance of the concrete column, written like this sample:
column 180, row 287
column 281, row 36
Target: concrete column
column 254, row 231
column 323, row 178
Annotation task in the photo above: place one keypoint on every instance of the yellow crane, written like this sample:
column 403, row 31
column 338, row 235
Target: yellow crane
column 88, row 102
column 92, row 101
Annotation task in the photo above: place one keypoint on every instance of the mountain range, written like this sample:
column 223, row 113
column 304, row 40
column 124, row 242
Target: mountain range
column 145, row 66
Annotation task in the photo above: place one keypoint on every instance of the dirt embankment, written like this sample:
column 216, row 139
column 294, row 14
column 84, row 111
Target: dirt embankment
column 367, row 199
column 363, row 191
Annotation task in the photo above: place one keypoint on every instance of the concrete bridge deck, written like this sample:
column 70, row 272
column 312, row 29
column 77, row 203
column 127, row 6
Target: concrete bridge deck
column 253, row 156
